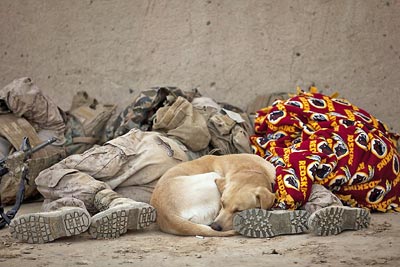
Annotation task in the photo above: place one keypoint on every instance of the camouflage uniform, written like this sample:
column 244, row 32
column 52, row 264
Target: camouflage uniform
column 26, row 112
column 229, row 132
column 87, row 184
column 140, row 113
column 229, row 127
column 161, row 128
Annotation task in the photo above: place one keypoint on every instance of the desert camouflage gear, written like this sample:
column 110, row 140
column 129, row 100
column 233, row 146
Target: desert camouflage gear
column 227, row 137
column 86, row 122
column 27, row 112
column 64, row 185
column 86, row 126
column 229, row 129
column 134, row 159
column 320, row 197
column 183, row 122
column 14, row 129
column 140, row 113
column 103, row 199
column 25, row 99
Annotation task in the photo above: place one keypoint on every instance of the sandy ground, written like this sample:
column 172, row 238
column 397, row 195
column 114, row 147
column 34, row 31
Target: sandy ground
column 376, row 246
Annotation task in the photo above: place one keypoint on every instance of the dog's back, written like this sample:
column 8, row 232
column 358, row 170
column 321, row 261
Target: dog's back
column 186, row 204
column 196, row 197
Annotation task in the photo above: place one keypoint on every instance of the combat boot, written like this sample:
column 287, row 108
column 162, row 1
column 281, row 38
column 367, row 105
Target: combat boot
column 333, row 220
column 43, row 227
column 269, row 223
column 118, row 215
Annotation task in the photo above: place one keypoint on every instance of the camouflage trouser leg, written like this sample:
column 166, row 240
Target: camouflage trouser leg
column 320, row 197
column 66, row 187
column 77, row 179
column 137, row 159
column 328, row 216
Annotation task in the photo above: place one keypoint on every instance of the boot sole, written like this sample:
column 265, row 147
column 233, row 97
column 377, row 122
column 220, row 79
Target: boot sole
column 118, row 220
column 263, row 223
column 48, row 226
column 335, row 219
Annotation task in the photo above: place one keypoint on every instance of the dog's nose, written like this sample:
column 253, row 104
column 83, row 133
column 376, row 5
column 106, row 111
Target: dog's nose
column 215, row 226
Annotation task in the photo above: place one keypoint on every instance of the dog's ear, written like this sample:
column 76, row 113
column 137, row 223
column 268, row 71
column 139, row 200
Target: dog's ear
column 265, row 197
column 220, row 182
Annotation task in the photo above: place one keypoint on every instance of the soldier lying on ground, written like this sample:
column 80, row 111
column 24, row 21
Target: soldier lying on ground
column 95, row 181
column 106, row 189
column 26, row 112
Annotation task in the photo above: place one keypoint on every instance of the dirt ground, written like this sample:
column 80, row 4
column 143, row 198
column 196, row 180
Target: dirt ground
column 376, row 246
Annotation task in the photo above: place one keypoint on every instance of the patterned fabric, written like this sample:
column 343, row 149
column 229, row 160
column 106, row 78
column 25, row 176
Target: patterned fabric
column 314, row 138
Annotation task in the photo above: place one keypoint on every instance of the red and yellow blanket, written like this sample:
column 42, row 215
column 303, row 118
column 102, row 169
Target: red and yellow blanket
column 314, row 138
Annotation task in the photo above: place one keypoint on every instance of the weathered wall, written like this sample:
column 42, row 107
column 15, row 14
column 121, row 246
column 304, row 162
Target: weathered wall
column 232, row 50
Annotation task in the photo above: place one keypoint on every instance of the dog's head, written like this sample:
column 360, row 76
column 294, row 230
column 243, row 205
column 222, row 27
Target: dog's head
column 240, row 194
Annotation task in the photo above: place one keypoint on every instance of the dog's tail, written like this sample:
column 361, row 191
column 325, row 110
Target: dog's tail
column 182, row 226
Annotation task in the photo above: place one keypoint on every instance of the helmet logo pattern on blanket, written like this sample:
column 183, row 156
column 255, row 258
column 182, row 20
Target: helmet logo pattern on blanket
column 314, row 138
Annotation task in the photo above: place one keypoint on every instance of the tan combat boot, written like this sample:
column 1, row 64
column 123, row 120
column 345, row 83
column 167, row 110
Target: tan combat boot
column 118, row 215
column 269, row 223
column 43, row 227
column 333, row 220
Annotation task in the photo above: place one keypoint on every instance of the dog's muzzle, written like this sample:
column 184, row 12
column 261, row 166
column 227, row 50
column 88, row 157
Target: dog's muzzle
column 215, row 226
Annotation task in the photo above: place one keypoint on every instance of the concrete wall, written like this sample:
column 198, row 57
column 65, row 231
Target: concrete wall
column 232, row 50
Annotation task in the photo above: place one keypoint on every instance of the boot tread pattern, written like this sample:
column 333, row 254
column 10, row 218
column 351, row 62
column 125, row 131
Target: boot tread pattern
column 45, row 227
column 116, row 221
column 75, row 223
column 31, row 229
column 111, row 225
column 335, row 219
column 147, row 216
column 264, row 223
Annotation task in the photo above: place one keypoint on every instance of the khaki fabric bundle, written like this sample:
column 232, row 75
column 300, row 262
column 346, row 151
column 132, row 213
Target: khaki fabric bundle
column 185, row 123
column 25, row 99
column 229, row 128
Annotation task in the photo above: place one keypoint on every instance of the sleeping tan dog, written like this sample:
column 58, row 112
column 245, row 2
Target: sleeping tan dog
column 200, row 197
